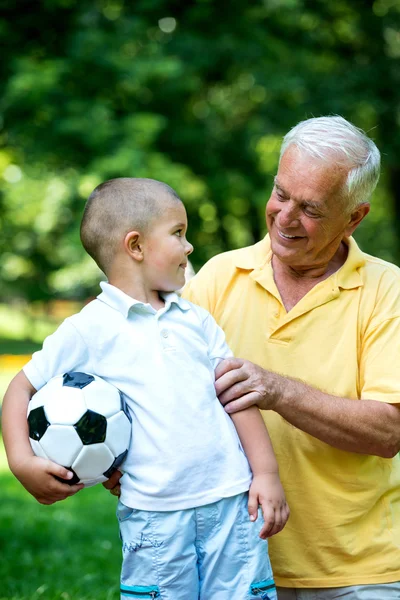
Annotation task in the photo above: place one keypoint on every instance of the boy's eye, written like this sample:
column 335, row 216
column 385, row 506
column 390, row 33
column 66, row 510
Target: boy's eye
column 178, row 233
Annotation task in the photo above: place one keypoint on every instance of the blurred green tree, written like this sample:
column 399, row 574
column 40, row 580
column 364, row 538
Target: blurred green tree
column 197, row 94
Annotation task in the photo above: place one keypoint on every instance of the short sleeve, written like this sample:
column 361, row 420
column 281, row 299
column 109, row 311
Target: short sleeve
column 380, row 362
column 64, row 350
column 218, row 349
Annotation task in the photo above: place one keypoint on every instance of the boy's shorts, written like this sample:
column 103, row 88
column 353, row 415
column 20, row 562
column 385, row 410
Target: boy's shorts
column 211, row 552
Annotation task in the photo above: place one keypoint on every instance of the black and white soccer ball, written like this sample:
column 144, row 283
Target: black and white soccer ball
column 80, row 422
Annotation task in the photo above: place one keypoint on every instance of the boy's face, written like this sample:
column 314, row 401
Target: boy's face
column 166, row 249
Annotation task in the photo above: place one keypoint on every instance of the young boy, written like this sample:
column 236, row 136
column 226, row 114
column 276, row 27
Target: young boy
column 186, row 520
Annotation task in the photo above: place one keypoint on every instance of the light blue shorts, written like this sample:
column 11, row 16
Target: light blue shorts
column 212, row 552
column 379, row 591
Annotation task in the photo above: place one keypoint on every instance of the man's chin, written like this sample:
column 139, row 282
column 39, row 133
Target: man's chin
column 288, row 256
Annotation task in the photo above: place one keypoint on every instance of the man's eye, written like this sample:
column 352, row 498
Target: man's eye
column 280, row 194
column 311, row 213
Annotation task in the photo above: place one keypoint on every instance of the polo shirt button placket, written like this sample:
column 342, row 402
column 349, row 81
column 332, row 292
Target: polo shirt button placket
column 164, row 333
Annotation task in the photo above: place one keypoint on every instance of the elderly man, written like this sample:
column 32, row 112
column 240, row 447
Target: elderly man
column 324, row 318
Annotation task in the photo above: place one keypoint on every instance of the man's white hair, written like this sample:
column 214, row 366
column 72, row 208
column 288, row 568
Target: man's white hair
column 335, row 139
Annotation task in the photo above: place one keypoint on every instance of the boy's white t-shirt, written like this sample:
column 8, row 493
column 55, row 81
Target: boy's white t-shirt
column 184, row 451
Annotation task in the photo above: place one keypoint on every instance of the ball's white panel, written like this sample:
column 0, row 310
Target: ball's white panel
column 66, row 407
column 37, row 448
column 50, row 390
column 102, row 397
column 118, row 433
column 92, row 461
column 62, row 444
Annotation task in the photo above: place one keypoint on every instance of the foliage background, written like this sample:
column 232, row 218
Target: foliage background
column 197, row 93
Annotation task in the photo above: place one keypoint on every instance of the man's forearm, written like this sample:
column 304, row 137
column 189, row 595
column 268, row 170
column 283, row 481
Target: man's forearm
column 363, row 426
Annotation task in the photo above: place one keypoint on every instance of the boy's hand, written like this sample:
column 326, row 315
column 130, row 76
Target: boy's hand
column 113, row 484
column 38, row 476
column 266, row 491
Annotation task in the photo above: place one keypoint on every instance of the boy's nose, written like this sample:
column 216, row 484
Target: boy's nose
column 189, row 248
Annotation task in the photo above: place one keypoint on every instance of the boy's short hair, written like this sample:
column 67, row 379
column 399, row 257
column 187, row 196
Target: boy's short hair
column 116, row 207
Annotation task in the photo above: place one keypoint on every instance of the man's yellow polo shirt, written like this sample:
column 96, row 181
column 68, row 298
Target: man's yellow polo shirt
column 343, row 337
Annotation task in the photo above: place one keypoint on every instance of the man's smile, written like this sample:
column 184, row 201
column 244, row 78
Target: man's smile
column 286, row 236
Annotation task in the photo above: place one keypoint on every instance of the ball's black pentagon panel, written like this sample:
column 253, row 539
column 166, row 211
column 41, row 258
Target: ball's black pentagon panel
column 117, row 462
column 38, row 423
column 91, row 428
column 73, row 481
column 77, row 380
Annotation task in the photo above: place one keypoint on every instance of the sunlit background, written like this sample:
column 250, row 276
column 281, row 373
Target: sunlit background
column 197, row 94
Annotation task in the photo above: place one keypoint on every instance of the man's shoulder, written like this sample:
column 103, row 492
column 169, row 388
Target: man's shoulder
column 381, row 264
column 380, row 297
column 247, row 258
column 215, row 281
column 224, row 260
column 376, row 270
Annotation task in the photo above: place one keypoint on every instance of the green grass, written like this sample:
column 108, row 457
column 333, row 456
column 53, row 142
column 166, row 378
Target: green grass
column 67, row 551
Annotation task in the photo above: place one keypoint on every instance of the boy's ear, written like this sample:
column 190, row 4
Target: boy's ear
column 133, row 245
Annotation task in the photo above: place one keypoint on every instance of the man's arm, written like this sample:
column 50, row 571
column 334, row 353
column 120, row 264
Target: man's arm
column 266, row 488
column 36, row 474
column 362, row 426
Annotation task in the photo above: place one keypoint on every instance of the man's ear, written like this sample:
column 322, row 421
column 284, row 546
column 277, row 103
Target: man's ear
column 357, row 215
column 133, row 245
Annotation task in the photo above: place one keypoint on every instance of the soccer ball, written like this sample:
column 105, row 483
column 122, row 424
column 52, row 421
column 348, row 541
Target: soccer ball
column 82, row 423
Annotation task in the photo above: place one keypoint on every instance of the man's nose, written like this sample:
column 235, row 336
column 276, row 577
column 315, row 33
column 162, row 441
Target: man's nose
column 288, row 215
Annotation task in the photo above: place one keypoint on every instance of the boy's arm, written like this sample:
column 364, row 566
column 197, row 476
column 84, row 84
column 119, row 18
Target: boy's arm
column 266, row 488
column 36, row 474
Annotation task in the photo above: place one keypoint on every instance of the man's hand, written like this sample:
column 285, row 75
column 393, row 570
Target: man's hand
column 38, row 476
column 266, row 491
column 112, row 484
column 240, row 384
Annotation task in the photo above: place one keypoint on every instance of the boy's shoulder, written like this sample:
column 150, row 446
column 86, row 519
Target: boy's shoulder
column 196, row 311
column 100, row 318
column 93, row 313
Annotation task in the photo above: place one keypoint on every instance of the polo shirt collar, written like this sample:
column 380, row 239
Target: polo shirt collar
column 258, row 258
column 348, row 276
column 123, row 303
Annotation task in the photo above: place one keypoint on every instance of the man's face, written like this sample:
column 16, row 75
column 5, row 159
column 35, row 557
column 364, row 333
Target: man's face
column 306, row 217
column 166, row 249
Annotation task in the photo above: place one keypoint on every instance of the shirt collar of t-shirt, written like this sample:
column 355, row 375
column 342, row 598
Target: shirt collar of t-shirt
column 125, row 304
